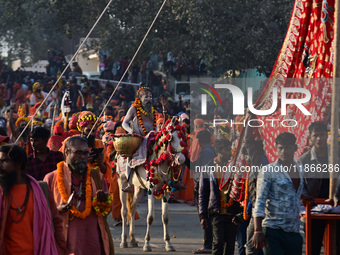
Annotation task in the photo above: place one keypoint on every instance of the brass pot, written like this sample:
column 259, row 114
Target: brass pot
column 127, row 145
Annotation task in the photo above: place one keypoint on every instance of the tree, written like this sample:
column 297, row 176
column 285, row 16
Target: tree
column 231, row 35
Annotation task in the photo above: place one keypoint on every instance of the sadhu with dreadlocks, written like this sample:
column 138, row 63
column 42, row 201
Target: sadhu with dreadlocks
column 140, row 119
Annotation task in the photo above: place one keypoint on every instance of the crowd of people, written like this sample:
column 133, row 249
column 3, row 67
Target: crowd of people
column 58, row 171
column 142, row 71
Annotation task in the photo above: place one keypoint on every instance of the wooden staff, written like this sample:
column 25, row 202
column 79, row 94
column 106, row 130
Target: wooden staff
column 52, row 126
column 66, row 122
column 335, row 102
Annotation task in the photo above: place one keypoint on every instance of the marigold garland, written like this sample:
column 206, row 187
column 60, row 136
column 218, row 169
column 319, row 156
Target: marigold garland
column 228, row 204
column 65, row 197
column 140, row 110
column 102, row 208
column 246, row 200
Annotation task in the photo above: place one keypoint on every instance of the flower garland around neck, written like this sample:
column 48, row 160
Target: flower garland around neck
column 228, row 204
column 231, row 201
column 140, row 110
column 65, row 197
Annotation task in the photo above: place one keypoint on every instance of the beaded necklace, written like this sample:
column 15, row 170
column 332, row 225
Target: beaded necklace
column 20, row 210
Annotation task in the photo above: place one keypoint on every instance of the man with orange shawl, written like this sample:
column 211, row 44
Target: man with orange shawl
column 81, row 195
column 38, row 96
column 26, row 209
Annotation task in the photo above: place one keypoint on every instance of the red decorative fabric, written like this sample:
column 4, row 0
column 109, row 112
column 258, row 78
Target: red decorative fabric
column 310, row 36
column 305, row 61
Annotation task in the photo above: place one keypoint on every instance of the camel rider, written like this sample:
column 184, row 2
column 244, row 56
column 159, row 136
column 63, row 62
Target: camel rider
column 140, row 119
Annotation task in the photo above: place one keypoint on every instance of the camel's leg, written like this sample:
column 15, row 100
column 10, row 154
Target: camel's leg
column 136, row 198
column 150, row 217
column 123, row 197
column 165, row 220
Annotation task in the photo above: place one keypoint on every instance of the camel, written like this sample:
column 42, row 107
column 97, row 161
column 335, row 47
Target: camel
column 166, row 157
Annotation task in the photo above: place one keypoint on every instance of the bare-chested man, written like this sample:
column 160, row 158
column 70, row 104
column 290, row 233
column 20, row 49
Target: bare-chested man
column 140, row 120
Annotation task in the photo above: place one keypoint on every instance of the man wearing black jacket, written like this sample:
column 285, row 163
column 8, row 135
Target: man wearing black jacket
column 214, row 201
column 205, row 158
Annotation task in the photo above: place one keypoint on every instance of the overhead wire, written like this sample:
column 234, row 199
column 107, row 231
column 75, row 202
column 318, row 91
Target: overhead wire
column 76, row 53
column 131, row 61
column 63, row 72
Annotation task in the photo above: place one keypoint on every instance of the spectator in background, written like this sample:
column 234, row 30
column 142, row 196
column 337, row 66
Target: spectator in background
column 205, row 158
column 42, row 161
column 56, row 140
column 316, row 184
column 85, row 99
column 257, row 158
column 214, row 201
column 195, row 147
column 3, row 94
column 165, row 101
column 143, row 78
column 134, row 73
column 38, row 95
column 76, row 70
column 155, row 83
column 18, row 94
column 3, row 126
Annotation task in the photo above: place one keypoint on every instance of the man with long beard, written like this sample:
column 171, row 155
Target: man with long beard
column 25, row 213
column 98, row 156
column 74, row 186
column 140, row 119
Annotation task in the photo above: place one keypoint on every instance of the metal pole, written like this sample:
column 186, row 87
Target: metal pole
column 335, row 101
column 335, row 113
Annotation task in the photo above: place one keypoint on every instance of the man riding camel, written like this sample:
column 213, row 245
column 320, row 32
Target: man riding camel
column 140, row 119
